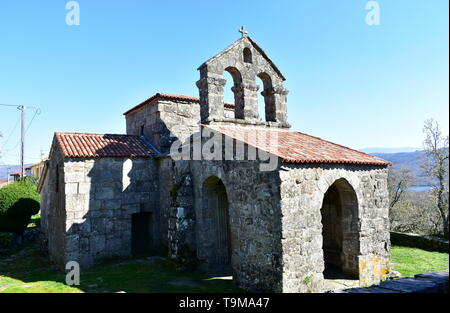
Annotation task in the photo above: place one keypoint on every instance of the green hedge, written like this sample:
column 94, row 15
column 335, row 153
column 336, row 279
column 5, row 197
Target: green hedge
column 18, row 202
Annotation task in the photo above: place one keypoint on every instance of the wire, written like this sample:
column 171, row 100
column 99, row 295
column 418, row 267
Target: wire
column 37, row 112
column 10, row 134
column 17, row 144
column 19, row 106
column 10, row 105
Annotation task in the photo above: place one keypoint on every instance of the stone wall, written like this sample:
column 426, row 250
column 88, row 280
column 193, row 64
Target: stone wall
column 254, row 216
column 148, row 118
column 100, row 197
column 53, row 214
column 275, row 217
column 255, row 221
column 302, row 191
column 178, row 222
column 181, row 224
column 419, row 241
column 166, row 121
column 276, row 223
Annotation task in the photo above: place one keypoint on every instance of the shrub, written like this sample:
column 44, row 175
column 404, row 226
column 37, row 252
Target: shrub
column 30, row 179
column 18, row 202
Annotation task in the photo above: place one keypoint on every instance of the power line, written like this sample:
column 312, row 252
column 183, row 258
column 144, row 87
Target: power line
column 23, row 131
column 37, row 112
column 10, row 105
column 10, row 134
column 19, row 106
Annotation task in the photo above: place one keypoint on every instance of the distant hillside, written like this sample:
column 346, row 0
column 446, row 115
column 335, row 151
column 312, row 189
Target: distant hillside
column 389, row 150
column 411, row 160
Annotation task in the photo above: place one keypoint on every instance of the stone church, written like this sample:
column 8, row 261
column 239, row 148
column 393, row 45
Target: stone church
column 217, row 183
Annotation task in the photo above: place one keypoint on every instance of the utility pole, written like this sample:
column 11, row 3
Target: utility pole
column 22, row 140
column 23, row 109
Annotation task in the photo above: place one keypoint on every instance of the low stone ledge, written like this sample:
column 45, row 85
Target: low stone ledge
column 418, row 241
column 439, row 278
column 410, row 285
column 436, row 282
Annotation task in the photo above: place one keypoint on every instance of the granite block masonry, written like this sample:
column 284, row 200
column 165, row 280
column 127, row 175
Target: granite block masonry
column 322, row 209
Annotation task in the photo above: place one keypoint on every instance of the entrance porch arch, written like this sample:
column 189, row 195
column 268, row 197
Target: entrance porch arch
column 340, row 230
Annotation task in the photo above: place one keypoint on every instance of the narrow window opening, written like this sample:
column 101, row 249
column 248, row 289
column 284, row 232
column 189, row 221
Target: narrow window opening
column 247, row 55
column 234, row 79
column 266, row 102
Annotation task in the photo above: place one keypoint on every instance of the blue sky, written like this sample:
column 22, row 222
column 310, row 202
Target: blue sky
column 354, row 84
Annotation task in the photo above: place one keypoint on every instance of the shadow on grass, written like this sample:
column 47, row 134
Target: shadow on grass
column 28, row 270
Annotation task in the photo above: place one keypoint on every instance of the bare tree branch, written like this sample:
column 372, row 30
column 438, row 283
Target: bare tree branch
column 436, row 166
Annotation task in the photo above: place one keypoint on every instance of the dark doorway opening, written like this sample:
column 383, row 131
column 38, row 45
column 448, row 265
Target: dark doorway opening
column 332, row 232
column 223, row 226
column 340, row 231
column 219, row 238
column 141, row 234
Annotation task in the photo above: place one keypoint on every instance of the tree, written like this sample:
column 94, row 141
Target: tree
column 399, row 180
column 436, row 167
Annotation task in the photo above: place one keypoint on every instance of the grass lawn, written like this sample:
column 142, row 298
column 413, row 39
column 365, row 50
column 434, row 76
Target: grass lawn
column 28, row 270
column 411, row 261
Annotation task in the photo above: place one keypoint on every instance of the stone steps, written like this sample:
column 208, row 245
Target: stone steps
column 436, row 282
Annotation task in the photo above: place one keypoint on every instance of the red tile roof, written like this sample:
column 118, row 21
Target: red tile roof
column 170, row 97
column 83, row 145
column 296, row 147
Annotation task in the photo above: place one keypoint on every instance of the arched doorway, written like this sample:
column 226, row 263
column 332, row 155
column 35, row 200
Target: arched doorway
column 340, row 231
column 216, row 214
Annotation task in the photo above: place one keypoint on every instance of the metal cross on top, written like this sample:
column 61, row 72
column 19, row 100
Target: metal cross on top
column 243, row 31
